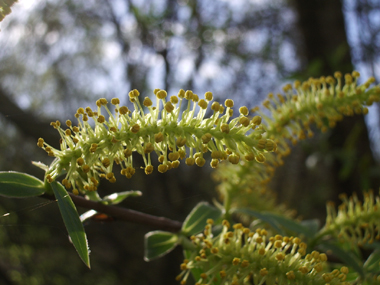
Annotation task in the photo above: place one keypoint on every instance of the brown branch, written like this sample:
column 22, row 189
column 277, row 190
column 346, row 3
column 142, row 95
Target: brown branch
column 124, row 214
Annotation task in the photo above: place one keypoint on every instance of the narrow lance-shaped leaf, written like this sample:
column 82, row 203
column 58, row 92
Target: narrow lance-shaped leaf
column 346, row 256
column 72, row 222
column 117, row 198
column 159, row 243
column 197, row 219
column 373, row 261
column 291, row 225
column 264, row 217
column 20, row 185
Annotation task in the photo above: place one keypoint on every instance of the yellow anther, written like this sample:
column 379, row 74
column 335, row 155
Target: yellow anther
column 158, row 137
column 85, row 168
column 169, row 107
column 173, row 156
column 195, row 98
column 80, row 111
column 260, row 158
column 263, row 272
column 127, row 152
column 103, row 101
column 80, row 161
column 175, row 164
column 181, row 93
column 261, row 143
column 162, row 168
column 256, row 120
column 214, row 163
column 236, row 261
column 234, row 159
column 355, row 74
column 93, row 147
column 270, row 145
column 229, row 103
column 174, row 99
column 243, row 110
column 215, row 106
column 206, row 138
column 115, row 101
column 216, row 154
column 244, row 263
column 161, row 94
column 40, row 142
column 202, row 104
column 135, row 128
column 348, row 78
column 101, row 119
column 181, row 142
column 200, row 161
column 280, row 256
column 147, row 102
column 225, row 128
column 148, row 169
column 123, row 110
column 149, row 147
column 208, row 96
column 244, row 121
column 188, row 94
column 110, row 175
column 68, row 123
column 290, row 275
column 182, row 153
column 190, row 161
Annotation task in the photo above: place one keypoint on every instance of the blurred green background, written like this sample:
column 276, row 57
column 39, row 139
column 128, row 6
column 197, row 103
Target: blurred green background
column 56, row 56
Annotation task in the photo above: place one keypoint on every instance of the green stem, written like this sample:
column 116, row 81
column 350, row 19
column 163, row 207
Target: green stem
column 93, row 196
column 227, row 205
column 185, row 243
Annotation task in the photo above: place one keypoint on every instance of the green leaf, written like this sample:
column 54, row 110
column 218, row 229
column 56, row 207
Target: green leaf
column 20, row 185
column 72, row 222
column 372, row 262
column 264, row 217
column 195, row 271
column 159, row 243
column 87, row 215
column 117, row 198
column 313, row 225
column 197, row 219
column 291, row 225
column 41, row 165
column 347, row 257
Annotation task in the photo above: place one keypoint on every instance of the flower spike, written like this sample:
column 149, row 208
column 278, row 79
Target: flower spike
column 242, row 256
column 88, row 153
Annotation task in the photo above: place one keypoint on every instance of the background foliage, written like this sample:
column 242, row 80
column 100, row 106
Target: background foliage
column 58, row 55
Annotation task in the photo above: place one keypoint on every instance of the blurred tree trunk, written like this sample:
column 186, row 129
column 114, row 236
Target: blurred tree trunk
column 343, row 160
